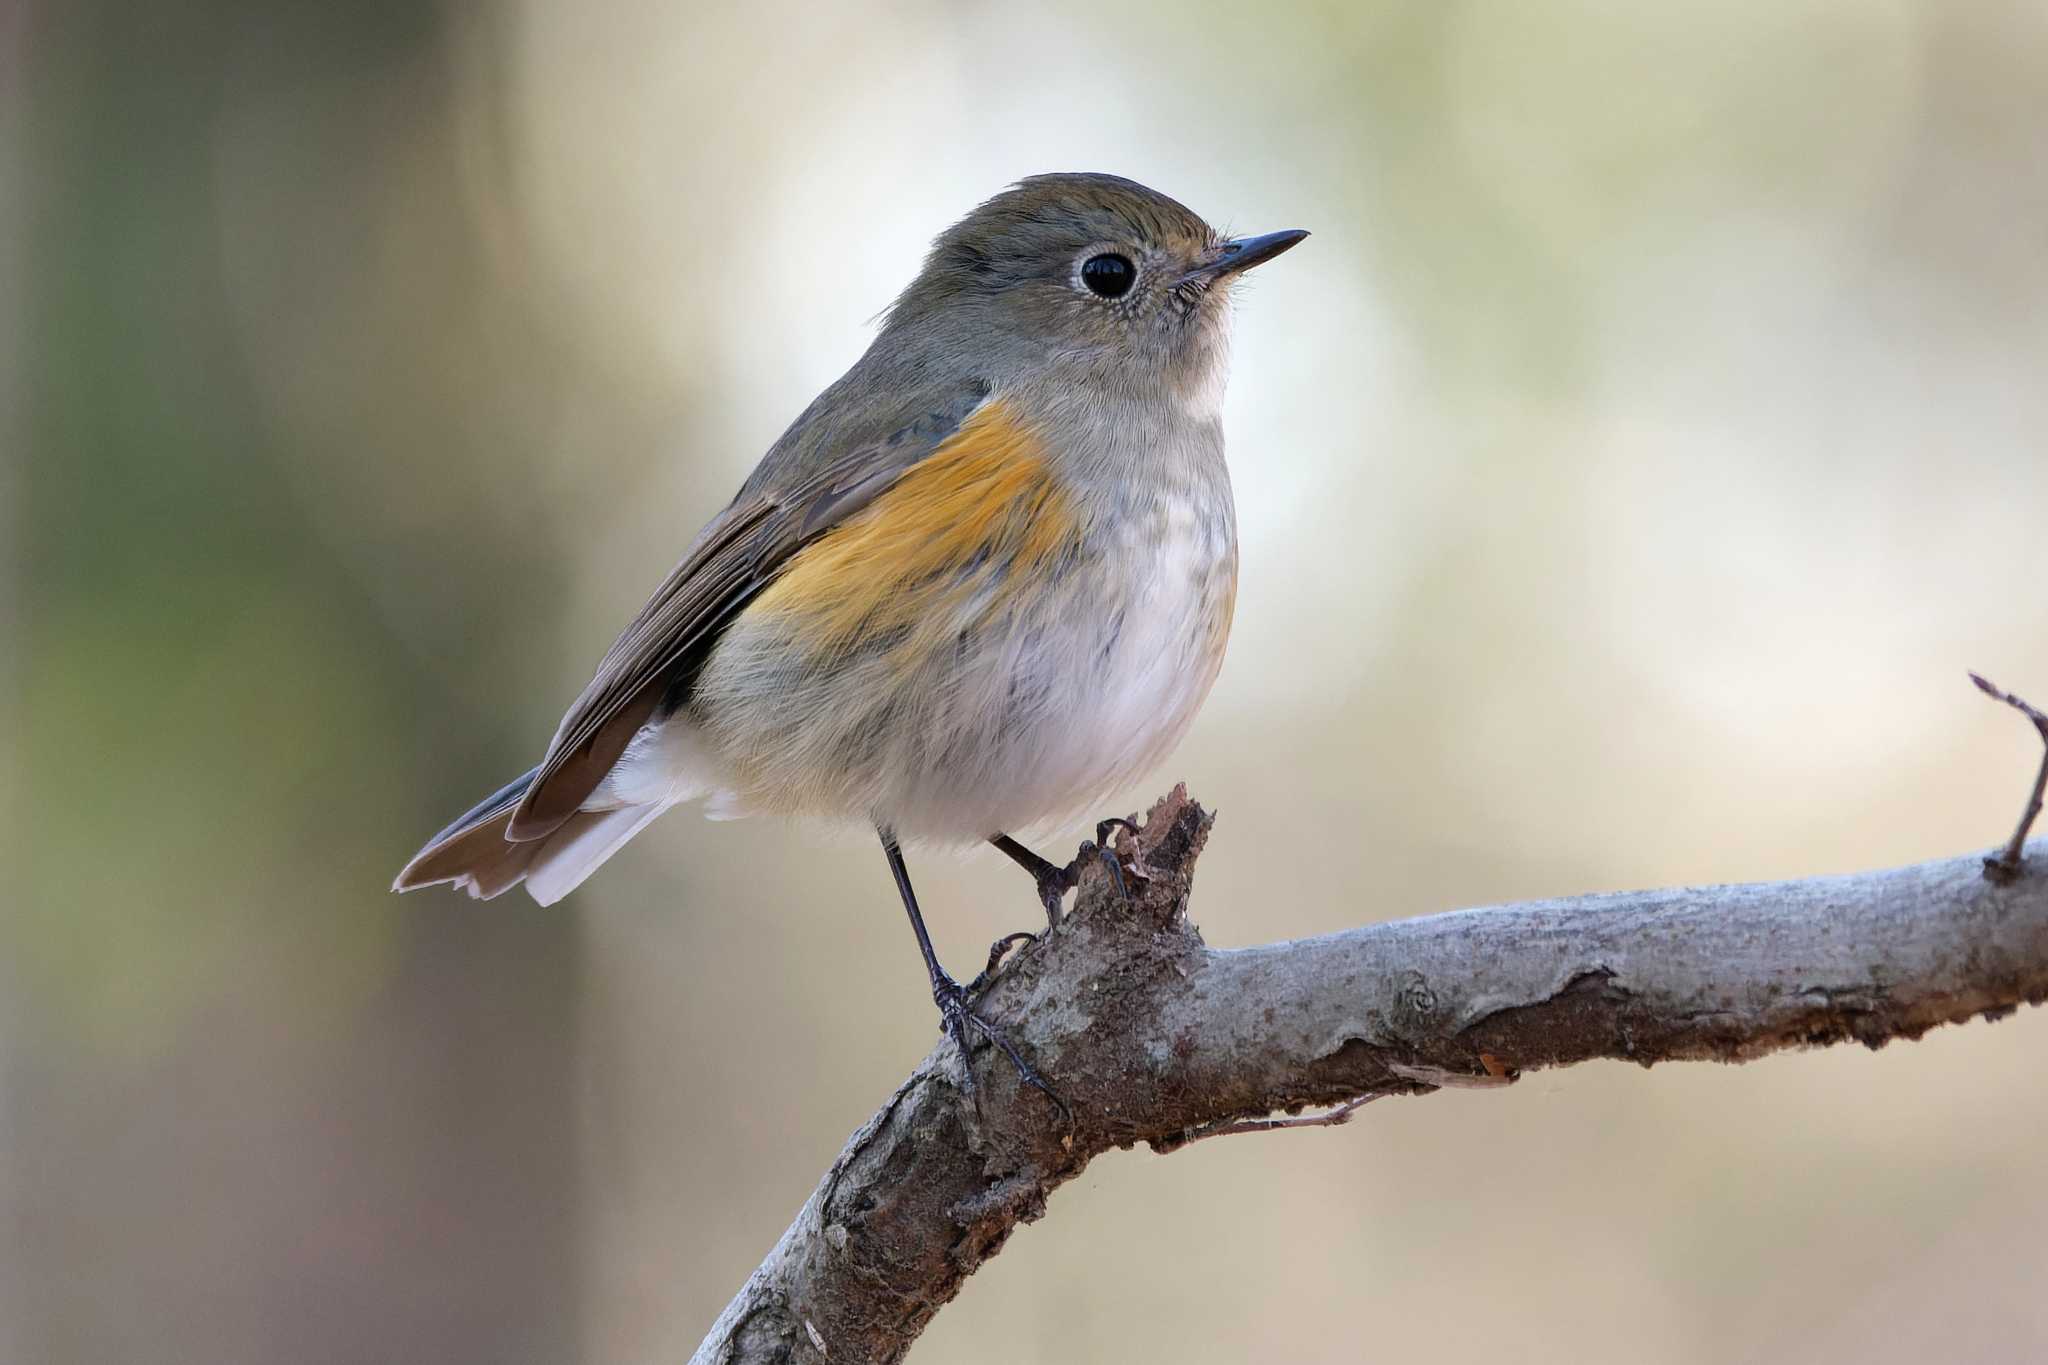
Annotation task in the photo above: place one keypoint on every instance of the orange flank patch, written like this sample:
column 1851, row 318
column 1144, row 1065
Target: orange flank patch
column 977, row 516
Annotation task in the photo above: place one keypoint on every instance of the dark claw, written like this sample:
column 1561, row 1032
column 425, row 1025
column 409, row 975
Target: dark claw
column 1107, row 851
column 997, row 951
column 957, row 1015
column 1116, row 873
column 1115, row 822
column 1052, row 889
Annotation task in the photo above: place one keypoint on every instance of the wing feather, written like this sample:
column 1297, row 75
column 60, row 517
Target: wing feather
column 733, row 559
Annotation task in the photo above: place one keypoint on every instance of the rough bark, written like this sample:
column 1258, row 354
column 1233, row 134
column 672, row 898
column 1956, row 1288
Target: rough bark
column 1153, row 1037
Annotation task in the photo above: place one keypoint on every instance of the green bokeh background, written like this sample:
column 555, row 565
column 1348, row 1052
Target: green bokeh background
column 1652, row 433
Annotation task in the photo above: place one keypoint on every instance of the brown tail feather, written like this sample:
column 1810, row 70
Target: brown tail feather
column 476, row 857
column 474, row 854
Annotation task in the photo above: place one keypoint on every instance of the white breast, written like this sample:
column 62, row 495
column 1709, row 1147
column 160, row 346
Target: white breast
column 1127, row 665
column 1166, row 656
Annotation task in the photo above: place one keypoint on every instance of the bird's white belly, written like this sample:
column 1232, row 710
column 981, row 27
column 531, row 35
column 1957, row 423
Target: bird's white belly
column 1125, row 668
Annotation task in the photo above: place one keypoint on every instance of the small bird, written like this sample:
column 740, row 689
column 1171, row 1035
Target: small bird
column 983, row 581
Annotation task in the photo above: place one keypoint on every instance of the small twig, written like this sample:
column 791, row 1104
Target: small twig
column 2005, row 865
column 1440, row 1078
column 1435, row 1077
column 1333, row 1118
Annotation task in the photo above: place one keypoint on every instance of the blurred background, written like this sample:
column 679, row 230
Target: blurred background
column 1650, row 436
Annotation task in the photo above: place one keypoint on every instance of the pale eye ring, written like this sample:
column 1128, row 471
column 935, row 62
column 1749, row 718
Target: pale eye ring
column 1109, row 274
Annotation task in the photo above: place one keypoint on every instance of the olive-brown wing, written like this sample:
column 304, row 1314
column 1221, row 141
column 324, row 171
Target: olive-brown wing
column 734, row 558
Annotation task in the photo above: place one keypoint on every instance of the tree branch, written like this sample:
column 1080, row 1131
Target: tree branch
column 1153, row 1037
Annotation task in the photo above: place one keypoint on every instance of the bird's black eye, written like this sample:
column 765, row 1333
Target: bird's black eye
column 1109, row 274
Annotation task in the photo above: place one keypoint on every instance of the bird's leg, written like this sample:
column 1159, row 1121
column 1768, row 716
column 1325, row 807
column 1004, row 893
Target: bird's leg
column 956, row 1004
column 1054, row 881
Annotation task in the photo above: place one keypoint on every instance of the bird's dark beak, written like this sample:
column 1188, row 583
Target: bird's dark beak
column 1242, row 253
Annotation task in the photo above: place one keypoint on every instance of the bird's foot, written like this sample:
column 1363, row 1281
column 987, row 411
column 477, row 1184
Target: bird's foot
column 960, row 1020
column 1054, row 882
column 1101, row 847
column 997, row 951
